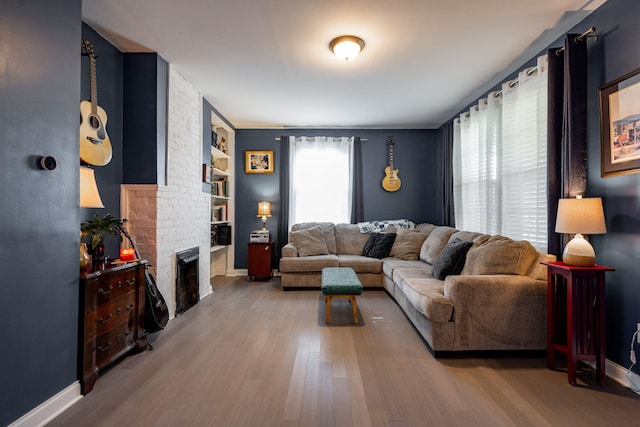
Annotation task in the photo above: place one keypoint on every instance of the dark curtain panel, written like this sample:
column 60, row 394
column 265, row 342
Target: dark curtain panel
column 448, row 217
column 357, row 204
column 567, row 129
column 285, row 177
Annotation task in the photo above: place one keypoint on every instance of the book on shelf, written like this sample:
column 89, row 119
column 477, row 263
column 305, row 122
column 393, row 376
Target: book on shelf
column 219, row 213
column 220, row 187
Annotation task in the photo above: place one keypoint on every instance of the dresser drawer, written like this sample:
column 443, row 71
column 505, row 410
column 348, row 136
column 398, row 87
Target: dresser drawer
column 112, row 343
column 117, row 312
column 100, row 292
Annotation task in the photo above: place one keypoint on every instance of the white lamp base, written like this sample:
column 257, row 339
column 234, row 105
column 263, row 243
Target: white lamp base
column 579, row 252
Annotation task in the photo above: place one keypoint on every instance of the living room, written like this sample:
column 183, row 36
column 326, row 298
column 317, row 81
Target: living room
column 40, row 78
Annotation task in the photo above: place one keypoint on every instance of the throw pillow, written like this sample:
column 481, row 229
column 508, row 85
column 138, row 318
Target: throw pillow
column 379, row 245
column 451, row 259
column 407, row 244
column 309, row 241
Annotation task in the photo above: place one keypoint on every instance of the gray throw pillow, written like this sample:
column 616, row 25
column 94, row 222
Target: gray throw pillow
column 309, row 241
column 379, row 245
column 451, row 259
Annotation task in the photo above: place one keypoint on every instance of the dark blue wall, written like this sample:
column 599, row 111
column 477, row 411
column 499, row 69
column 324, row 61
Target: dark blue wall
column 415, row 157
column 39, row 214
column 614, row 52
column 109, row 79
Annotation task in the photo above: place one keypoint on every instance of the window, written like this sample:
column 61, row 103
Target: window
column 500, row 161
column 321, row 179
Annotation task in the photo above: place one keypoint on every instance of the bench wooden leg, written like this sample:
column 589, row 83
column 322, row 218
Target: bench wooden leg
column 352, row 298
column 327, row 302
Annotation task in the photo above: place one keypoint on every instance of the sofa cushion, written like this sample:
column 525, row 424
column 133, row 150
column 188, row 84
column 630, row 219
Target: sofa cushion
column 401, row 275
column 435, row 242
column 349, row 239
column 309, row 241
column 361, row 264
column 379, row 245
column 390, row 264
column 470, row 236
column 425, row 227
column 427, row 297
column 407, row 244
column 328, row 231
column 500, row 255
column 308, row 264
column 451, row 259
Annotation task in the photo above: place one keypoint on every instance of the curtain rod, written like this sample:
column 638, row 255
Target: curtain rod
column 578, row 39
column 277, row 138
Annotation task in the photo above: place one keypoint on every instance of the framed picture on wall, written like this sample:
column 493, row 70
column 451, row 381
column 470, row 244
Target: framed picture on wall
column 620, row 126
column 258, row 161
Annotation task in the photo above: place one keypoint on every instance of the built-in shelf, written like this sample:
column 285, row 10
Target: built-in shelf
column 218, row 172
column 217, row 248
column 219, row 154
column 219, row 222
column 219, row 197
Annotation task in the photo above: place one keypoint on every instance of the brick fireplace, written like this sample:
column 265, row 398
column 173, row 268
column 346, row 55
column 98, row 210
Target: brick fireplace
column 166, row 219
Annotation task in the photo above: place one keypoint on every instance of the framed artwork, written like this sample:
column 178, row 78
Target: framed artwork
column 620, row 126
column 258, row 161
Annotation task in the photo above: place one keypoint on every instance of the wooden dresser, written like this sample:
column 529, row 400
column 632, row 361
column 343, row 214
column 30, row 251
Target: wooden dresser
column 111, row 318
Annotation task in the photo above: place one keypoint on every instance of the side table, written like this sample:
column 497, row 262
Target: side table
column 260, row 260
column 576, row 316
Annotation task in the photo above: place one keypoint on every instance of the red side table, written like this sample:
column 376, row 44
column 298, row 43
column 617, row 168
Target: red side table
column 576, row 316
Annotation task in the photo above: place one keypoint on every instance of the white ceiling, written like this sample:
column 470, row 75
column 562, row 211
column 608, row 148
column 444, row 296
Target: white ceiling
column 266, row 63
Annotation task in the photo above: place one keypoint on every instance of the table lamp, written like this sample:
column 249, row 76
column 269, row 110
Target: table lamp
column 264, row 211
column 580, row 216
column 89, row 195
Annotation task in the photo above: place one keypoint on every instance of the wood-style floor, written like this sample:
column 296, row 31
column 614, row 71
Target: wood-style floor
column 253, row 355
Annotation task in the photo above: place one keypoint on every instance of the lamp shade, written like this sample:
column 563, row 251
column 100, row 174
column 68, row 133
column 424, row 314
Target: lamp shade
column 583, row 216
column 89, row 195
column 264, row 209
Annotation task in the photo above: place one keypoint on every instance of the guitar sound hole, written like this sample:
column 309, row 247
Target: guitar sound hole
column 94, row 122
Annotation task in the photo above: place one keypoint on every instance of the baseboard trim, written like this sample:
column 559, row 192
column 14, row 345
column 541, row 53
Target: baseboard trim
column 619, row 374
column 51, row 408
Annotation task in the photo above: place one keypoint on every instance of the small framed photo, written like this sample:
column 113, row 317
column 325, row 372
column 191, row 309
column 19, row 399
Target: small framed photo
column 259, row 161
column 620, row 126
column 207, row 173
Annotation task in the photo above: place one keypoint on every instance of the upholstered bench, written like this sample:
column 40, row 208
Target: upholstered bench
column 340, row 282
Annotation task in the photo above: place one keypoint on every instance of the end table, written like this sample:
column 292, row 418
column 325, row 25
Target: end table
column 576, row 316
column 260, row 255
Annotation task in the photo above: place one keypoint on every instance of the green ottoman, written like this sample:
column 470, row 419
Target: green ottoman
column 340, row 282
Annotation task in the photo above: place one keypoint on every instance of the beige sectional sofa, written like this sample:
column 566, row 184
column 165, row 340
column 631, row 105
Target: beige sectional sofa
column 497, row 301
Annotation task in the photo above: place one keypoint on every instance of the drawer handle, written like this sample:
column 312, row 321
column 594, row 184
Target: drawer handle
column 130, row 307
column 119, row 284
column 130, row 282
column 266, row 248
column 103, row 321
column 103, row 349
column 103, row 292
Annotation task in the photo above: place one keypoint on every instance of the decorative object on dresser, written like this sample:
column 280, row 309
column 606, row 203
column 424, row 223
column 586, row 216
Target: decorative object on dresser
column 577, row 216
column 264, row 211
column 260, row 256
column 391, row 182
column 259, row 161
column 95, row 145
column 95, row 229
column 111, row 318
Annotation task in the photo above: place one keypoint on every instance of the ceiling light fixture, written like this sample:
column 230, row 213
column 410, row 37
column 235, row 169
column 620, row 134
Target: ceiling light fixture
column 346, row 47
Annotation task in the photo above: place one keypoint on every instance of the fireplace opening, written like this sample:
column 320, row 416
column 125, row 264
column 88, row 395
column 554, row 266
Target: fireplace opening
column 187, row 279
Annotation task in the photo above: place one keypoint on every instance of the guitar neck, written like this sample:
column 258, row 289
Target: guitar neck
column 94, row 87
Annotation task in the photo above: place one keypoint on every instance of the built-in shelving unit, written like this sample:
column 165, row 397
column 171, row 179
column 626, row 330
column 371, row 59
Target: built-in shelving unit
column 220, row 176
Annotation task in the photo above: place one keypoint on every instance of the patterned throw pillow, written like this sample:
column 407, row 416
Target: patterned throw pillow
column 384, row 225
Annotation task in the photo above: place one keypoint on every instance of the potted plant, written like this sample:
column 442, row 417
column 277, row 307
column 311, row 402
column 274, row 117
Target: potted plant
column 95, row 229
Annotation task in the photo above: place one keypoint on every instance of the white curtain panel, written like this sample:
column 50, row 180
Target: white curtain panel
column 321, row 179
column 500, row 161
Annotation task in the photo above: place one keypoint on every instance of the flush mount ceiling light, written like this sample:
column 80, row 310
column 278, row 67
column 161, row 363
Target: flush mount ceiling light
column 346, row 47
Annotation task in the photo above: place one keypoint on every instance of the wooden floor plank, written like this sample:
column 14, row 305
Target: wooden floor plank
column 251, row 354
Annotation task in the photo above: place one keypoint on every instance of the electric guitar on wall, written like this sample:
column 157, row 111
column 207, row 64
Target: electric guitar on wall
column 95, row 146
column 391, row 182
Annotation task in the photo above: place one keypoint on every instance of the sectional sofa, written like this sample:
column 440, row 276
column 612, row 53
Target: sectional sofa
column 461, row 290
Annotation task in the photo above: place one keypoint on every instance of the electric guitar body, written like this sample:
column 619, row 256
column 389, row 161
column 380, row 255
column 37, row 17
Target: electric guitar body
column 95, row 145
column 391, row 182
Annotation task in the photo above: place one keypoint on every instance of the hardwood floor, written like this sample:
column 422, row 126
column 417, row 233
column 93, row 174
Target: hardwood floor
column 253, row 355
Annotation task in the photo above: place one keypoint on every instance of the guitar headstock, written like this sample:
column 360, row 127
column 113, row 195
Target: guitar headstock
column 88, row 48
column 390, row 140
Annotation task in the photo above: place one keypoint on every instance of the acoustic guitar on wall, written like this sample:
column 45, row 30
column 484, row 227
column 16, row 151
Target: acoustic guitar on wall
column 95, row 146
column 391, row 182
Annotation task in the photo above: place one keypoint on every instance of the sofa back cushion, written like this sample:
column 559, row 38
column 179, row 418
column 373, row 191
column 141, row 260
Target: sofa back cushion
column 500, row 255
column 435, row 242
column 328, row 231
column 309, row 241
column 349, row 239
column 407, row 244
